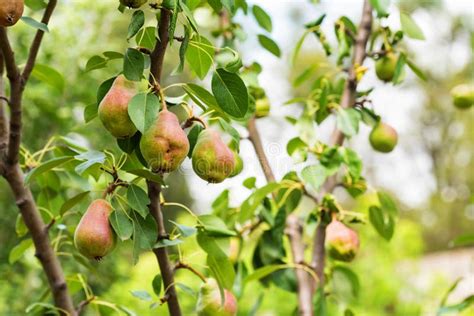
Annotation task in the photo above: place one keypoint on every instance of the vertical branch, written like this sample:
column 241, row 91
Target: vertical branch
column 294, row 229
column 337, row 138
column 13, row 173
column 154, row 189
column 3, row 114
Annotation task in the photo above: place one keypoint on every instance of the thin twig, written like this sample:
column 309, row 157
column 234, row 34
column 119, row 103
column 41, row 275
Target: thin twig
column 182, row 265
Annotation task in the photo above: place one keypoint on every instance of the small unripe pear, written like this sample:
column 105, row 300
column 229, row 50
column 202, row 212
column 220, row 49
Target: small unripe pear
column 383, row 138
column 385, row 67
column 209, row 301
column 463, row 96
column 262, row 107
column 342, row 242
column 180, row 111
column 94, row 237
column 113, row 109
column 238, row 165
column 133, row 4
column 164, row 145
column 10, row 12
column 212, row 159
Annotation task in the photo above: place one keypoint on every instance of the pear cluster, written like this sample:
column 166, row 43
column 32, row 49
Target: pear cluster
column 342, row 243
column 10, row 12
column 210, row 302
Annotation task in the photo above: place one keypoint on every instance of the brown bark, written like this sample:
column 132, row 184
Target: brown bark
column 154, row 189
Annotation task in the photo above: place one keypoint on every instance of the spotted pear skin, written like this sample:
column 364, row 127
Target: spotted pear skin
column 164, row 145
column 113, row 109
column 10, row 12
column 212, row 159
column 94, row 237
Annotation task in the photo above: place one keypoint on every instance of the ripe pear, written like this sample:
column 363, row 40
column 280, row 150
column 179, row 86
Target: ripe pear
column 212, row 159
column 463, row 96
column 10, row 12
column 262, row 107
column 164, row 145
column 383, row 138
column 94, row 237
column 133, row 4
column 238, row 166
column 113, row 109
column 385, row 67
column 210, row 303
column 342, row 242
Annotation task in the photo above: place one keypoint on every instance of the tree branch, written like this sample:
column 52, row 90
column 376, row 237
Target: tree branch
column 294, row 230
column 157, row 57
column 337, row 138
column 3, row 116
column 15, row 177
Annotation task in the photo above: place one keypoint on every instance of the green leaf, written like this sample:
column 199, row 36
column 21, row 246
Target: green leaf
column 192, row 138
column 157, row 281
column 297, row 149
column 203, row 98
column 96, row 62
column 269, row 45
column 129, row 145
column 144, row 232
column 143, row 110
column 265, row 271
column 90, row 112
column 383, row 223
column 121, row 224
column 348, row 121
column 73, row 202
column 91, row 158
column 35, row 5
column 398, row 74
column 263, row 19
column 138, row 199
column 387, row 204
column 104, row 88
column 249, row 183
column 112, row 55
column 46, row 166
column 464, row 240
column 200, row 55
column 230, row 92
column 133, row 65
column 167, row 243
column 315, row 176
column 17, row 252
column 141, row 294
column 50, row 76
column 410, row 28
column 35, row 24
column 381, row 7
column 214, row 226
column 456, row 308
column 189, row 15
column 182, row 50
column 417, row 70
column 137, row 22
column 174, row 18
column 345, row 283
column 186, row 231
column 147, row 174
column 146, row 37
column 249, row 206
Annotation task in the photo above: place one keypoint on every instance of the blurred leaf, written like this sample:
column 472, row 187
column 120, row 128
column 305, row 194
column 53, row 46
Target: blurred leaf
column 91, row 158
column 269, row 45
column 381, row 7
column 399, row 67
column 230, row 92
column 193, row 136
column 182, row 49
column 383, row 223
column 73, row 201
column 348, row 121
column 141, row 294
column 214, row 226
column 249, row 183
column 17, row 252
column 410, row 28
column 345, row 283
column 248, row 207
column 121, row 224
column 50, row 76
column 90, row 112
column 387, row 204
column 96, row 62
column 129, row 145
column 157, row 283
column 265, row 271
column 35, row 5
column 137, row 22
column 133, row 64
column 143, row 110
column 200, row 55
column 186, row 231
column 189, row 15
column 297, row 149
column 464, row 240
column 315, row 176
column 35, row 24
column 416, row 70
column 456, row 308
column 138, row 199
column 203, row 98
column 147, row 174
column 167, row 243
column 46, row 166
column 263, row 19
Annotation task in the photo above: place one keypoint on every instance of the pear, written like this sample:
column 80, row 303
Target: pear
column 94, row 237
column 383, row 138
column 133, row 4
column 113, row 109
column 210, row 303
column 342, row 242
column 385, row 67
column 10, row 12
column 463, row 96
column 238, row 165
column 212, row 159
column 164, row 145
column 262, row 107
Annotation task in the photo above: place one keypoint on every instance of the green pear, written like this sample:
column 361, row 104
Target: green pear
column 342, row 242
column 212, row 159
column 113, row 109
column 10, row 12
column 94, row 237
column 262, row 107
column 181, row 111
column 133, row 4
column 463, row 96
column 210, row 301
column 238, row 166
column 383, row 138
column 385, row 67
column 164, row 145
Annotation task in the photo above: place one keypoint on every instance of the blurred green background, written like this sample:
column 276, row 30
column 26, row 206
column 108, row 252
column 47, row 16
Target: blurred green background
column 431, row 173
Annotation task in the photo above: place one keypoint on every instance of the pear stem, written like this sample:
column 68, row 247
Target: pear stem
column 192, row 119
column 161, row 95
column 182, row 265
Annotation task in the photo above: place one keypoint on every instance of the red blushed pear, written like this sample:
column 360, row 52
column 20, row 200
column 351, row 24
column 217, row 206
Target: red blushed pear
column 113, row 109
column 94, row 237
column 210, row 301
column 10, row 12
column 212, row 159
column 342, row 242
column 164, row 145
